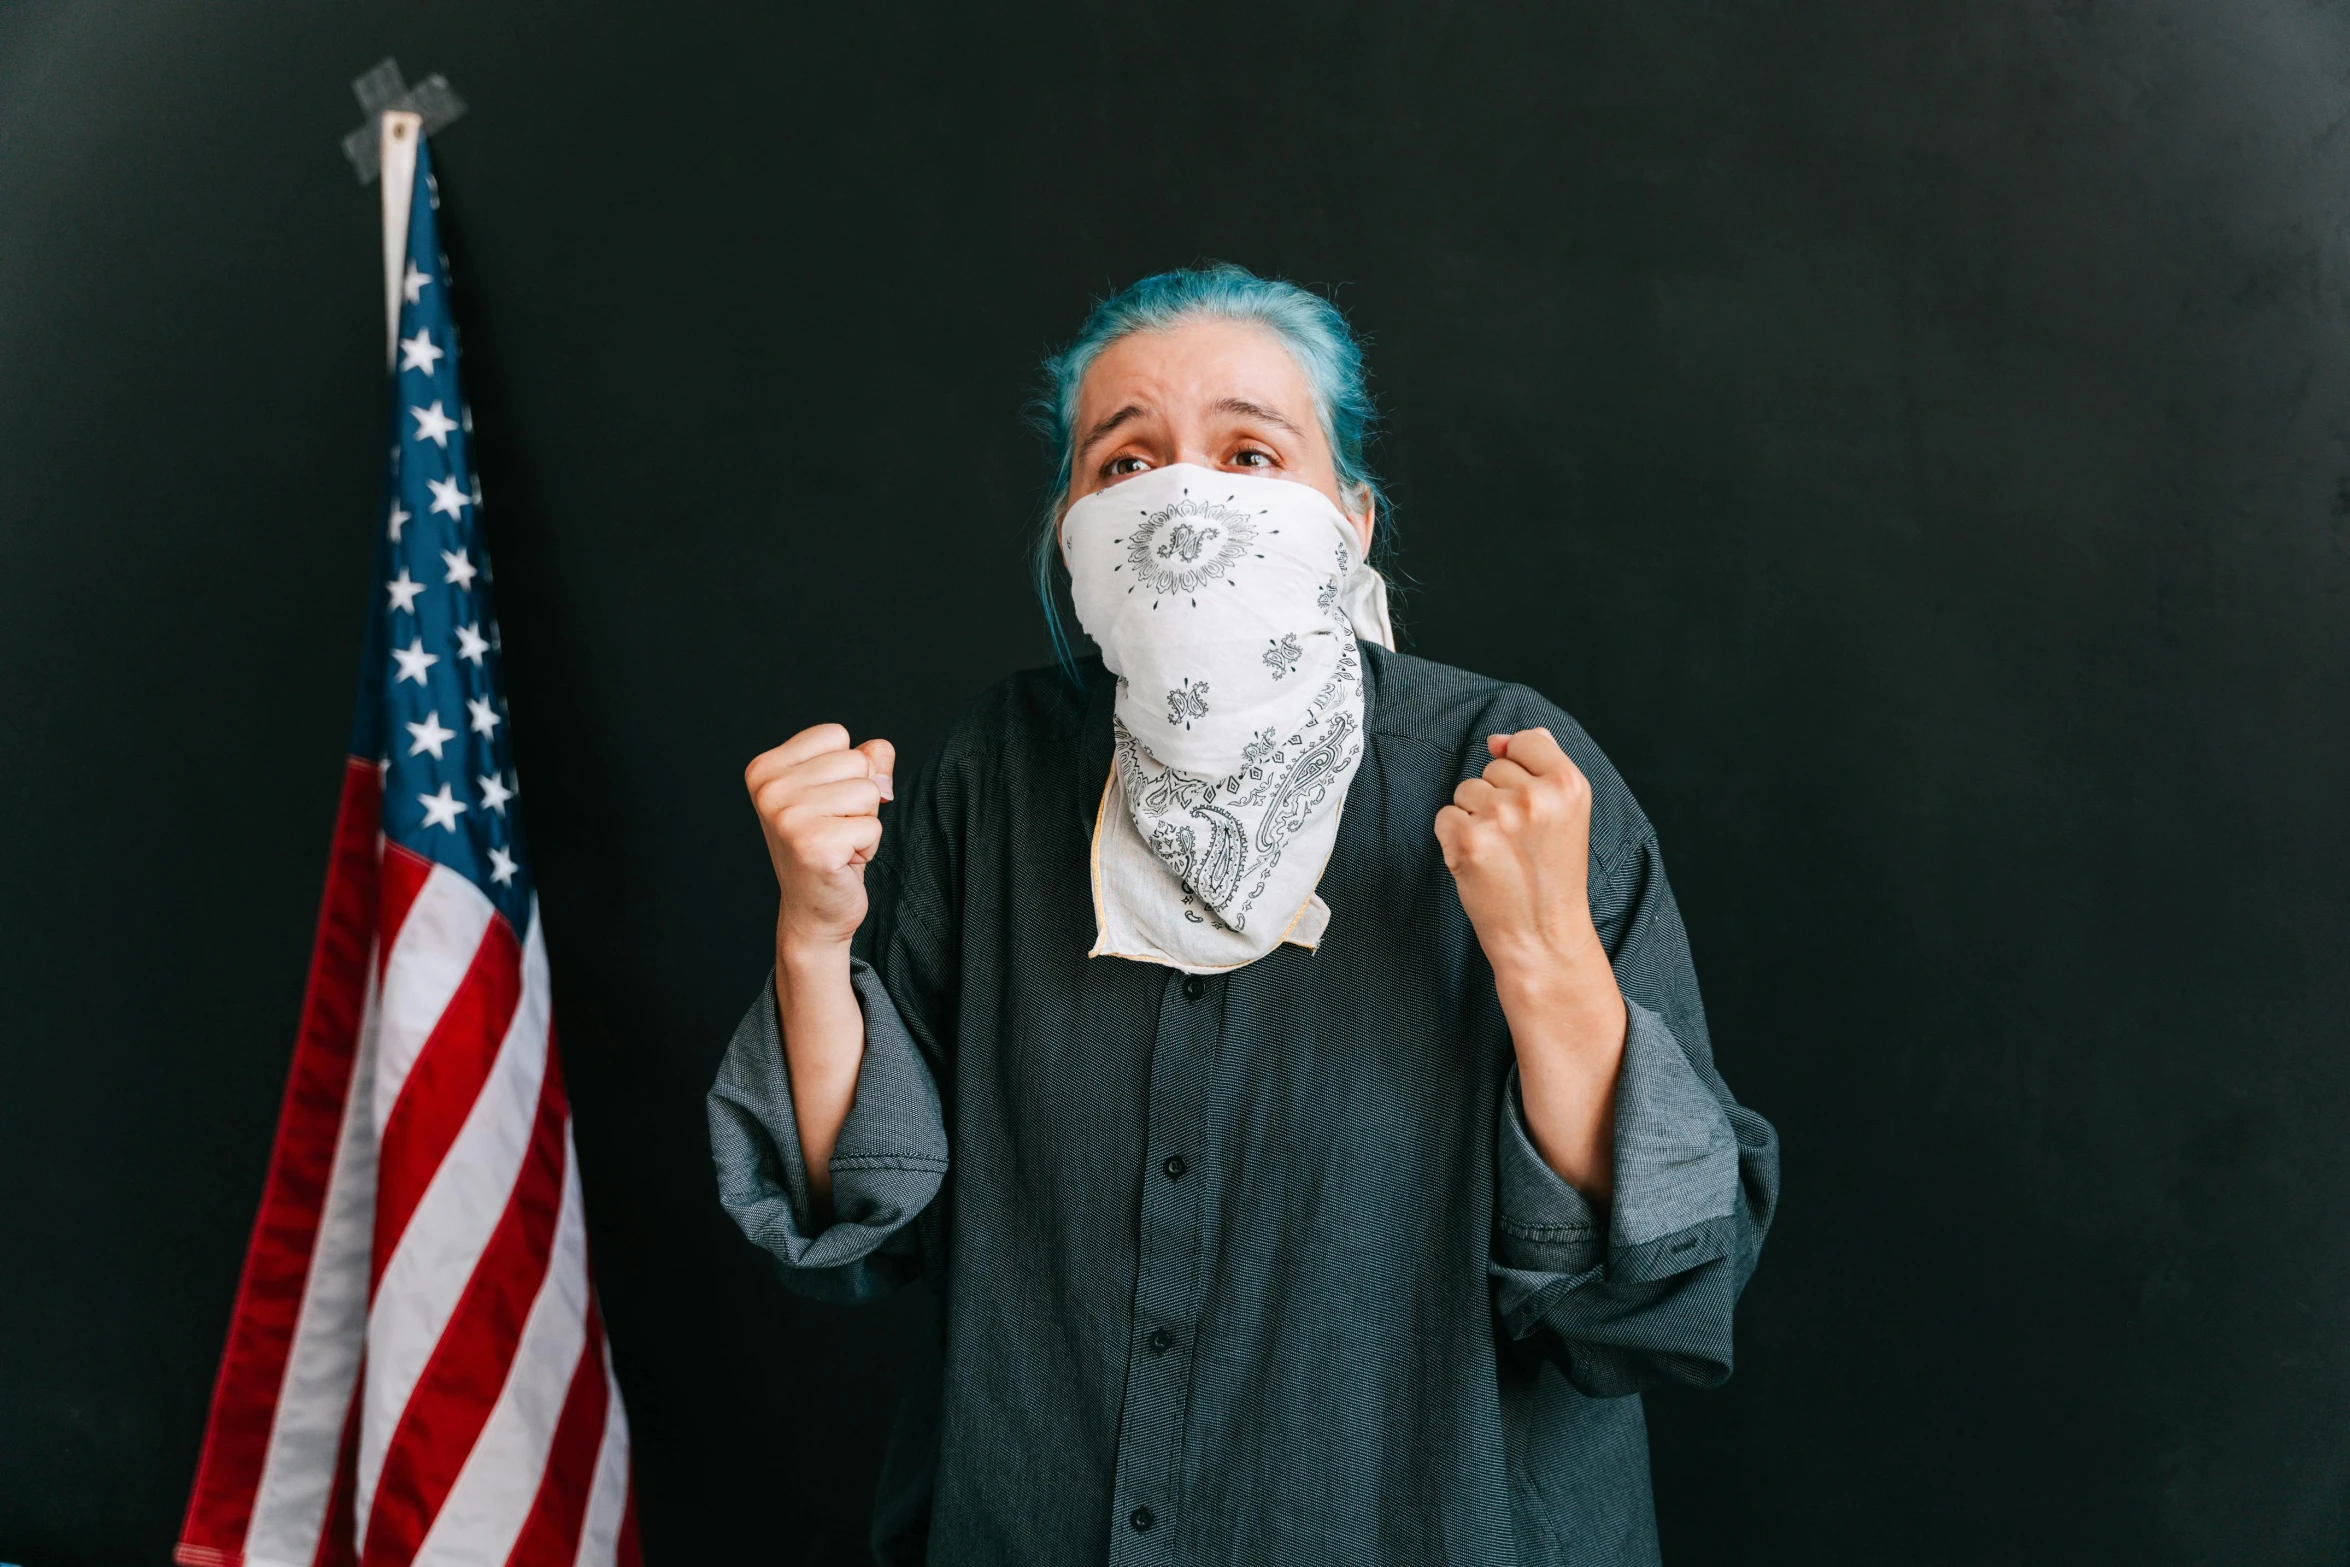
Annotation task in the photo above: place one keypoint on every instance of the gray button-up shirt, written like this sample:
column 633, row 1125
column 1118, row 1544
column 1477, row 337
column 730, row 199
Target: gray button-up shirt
column 1257, row 1267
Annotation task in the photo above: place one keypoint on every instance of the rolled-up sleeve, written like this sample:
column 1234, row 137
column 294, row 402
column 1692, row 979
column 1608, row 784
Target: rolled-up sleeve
column 1643, row 1294
column 887, row 1164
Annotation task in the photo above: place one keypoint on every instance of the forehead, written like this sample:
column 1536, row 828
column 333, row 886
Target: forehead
column 1194, row 365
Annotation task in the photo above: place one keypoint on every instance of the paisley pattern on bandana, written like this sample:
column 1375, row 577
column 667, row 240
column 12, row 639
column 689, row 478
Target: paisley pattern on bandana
column 1182, row 547
column 1191, row 823
column 1282, row 655
column 1187, row 702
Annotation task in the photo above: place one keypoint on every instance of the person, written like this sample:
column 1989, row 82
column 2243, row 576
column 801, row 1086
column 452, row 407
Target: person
column 1281, row 1054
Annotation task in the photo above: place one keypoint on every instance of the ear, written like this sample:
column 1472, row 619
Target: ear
column 1364, row 516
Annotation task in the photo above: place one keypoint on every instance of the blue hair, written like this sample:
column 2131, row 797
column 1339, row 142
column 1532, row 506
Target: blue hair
column 1309, row 326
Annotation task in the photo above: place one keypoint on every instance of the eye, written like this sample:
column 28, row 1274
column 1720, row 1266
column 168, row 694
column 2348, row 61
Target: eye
column 1122, row 467
column 1251, row 457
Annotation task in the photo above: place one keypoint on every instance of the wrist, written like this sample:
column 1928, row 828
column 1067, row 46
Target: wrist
column 1569, row 994
column 802, row 959
column 1548, row 974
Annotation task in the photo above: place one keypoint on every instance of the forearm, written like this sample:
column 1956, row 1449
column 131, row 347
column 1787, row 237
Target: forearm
column 823, row 1046
column 1566, row 1020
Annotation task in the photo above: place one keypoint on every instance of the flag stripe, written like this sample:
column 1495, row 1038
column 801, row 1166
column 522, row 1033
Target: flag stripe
column 627, row 1553
column 335, row 1548
column 452, row 1227
column 608, row 1538
column 452, row 1398
column 404, row 876
column 269, row 1295
column 430, row 957
column 487, row 1508
column 322, row 1369
column 551, row 1537
column 444, row 1083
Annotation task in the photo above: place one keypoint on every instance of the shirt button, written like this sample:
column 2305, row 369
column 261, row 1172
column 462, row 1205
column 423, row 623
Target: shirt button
column 1174, row 1167
column 1141, row 1519
column 1160, row 1341
column 1194, row 987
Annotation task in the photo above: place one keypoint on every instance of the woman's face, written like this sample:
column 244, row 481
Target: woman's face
column 1219, row 394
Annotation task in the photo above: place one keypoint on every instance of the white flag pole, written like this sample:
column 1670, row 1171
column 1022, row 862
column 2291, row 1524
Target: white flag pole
column 401, row 130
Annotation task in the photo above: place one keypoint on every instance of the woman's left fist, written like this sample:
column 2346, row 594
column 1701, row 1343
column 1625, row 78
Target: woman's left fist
column 1518, row 843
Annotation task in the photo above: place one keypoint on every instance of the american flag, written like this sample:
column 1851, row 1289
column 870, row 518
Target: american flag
column 416, row 1368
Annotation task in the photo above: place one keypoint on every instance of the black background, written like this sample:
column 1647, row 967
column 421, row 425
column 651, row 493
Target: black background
column 1911, row 436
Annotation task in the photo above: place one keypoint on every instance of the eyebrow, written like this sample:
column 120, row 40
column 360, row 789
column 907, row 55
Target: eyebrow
column 1124, row 416
column 1249, row 410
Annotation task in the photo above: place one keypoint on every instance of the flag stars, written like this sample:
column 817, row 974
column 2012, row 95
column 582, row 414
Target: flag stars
column 403, row 590
column 448, row 496
column 433, row 425
column 420, row 353
column 502, row 866
column 461, row 570
column 483, row 719
column 494, row 793
column 413, row 661
column 430, row 736
column 412, row 286
column 400, row 517
column 471, row 644
column 442, row 809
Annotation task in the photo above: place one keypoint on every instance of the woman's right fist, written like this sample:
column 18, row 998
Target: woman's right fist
column 819, row 803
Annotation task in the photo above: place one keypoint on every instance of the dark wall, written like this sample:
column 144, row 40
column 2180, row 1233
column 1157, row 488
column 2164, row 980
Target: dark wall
column 1911, row 436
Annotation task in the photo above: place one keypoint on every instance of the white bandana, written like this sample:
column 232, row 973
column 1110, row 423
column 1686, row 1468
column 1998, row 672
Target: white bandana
column 1228, row 606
